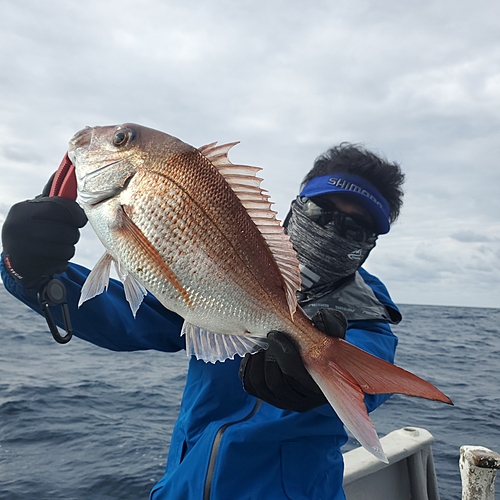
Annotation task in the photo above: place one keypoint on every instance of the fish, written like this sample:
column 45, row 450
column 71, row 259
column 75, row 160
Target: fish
column 198, row 232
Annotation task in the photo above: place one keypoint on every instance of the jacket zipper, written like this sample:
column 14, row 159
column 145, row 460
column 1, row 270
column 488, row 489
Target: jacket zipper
column 215, row 449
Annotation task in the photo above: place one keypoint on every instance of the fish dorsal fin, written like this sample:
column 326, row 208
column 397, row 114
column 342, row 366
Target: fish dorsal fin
column 243, row 181
column 212, row 347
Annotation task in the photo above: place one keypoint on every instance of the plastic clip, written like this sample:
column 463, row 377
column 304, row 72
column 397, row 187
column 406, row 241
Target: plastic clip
column 54, row 294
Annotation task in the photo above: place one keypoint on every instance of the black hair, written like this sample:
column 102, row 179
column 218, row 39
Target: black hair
column 387, row 177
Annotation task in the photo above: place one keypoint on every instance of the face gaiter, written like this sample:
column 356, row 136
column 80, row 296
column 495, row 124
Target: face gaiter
column 326, row 257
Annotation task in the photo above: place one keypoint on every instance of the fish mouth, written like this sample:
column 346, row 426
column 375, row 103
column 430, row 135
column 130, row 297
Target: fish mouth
column 91, row 191
column 81, row 139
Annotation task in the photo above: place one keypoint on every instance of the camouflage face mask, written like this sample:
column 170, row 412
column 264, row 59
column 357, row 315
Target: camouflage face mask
column 325, row 255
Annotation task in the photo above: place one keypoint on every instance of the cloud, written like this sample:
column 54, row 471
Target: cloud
column 418, row 82
column 424, row 271
column 20, row 154
column 468, row 236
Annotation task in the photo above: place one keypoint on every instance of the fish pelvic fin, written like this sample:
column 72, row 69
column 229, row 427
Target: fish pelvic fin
column 134, row 291
column 246, row 185
column 344, row 373
column 212, row 347
column 98, row 279
column 152, row 257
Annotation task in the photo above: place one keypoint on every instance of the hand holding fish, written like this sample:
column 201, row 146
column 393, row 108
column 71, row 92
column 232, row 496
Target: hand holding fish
column 39, row 237
column 198, row 233
column 278, row 375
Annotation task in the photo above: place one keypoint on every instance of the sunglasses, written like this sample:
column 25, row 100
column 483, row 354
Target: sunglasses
column 352, row 226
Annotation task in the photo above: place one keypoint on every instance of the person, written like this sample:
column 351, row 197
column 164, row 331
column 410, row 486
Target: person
column 257, row 427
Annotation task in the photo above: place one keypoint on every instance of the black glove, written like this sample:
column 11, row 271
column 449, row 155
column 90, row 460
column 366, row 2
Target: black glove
column 278, row 376
column 39, row 237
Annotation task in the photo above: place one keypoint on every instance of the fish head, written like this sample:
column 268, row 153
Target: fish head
column 107, row 158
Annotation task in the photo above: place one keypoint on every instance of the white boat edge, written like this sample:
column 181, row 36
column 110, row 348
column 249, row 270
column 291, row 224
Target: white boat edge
column 411, row 474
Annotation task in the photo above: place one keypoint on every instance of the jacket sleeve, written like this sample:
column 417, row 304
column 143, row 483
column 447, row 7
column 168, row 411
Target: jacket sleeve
column 106, row 320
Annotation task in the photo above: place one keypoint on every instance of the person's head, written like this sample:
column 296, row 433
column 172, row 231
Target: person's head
column 373, row 171
column 347, row 199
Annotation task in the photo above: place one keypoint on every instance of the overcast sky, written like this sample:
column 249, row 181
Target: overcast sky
column 416, row 81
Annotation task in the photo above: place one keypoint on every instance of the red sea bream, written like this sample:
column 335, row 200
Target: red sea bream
column 198, row 233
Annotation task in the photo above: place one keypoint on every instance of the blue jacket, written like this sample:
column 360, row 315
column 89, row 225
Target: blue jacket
column 226, row 444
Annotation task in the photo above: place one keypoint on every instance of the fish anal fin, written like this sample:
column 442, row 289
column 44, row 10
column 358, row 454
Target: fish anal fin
column 347, row 399
column 246, row 185
column 97, row 280
column 212, row 347
column 152, row 257
column 376, row 376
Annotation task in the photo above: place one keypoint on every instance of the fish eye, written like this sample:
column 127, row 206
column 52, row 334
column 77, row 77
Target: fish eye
column 123, row 137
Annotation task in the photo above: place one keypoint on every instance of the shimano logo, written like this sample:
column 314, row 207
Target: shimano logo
column 350, row 186
column 356, row 255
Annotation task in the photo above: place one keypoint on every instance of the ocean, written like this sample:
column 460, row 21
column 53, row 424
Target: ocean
column 78, row 422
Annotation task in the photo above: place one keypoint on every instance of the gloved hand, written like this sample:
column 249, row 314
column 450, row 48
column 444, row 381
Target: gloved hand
column 278, row 376
column 39, row 237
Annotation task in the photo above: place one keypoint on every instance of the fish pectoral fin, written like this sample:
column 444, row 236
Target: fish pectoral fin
column 376, row 376
column 347, row 399
column 152, row 257
column 212, row 347
column 98, row 279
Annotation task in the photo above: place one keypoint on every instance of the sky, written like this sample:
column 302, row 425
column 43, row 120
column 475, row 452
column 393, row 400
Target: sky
column 417, row 82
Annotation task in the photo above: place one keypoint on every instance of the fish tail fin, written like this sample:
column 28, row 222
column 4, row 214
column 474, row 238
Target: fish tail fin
column 347, row 399
column 376, row 376
column 344, row 373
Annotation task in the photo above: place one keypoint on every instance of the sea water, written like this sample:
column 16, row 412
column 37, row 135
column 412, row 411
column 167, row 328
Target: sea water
column 78, row 422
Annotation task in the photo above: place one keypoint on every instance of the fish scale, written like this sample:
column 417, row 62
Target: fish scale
column 196, row 238
column 205, row 266
column 198, row 233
